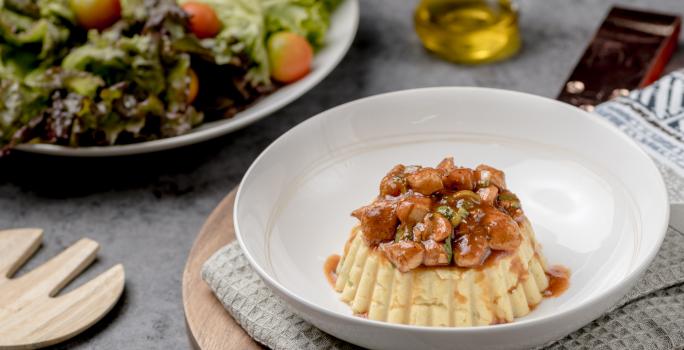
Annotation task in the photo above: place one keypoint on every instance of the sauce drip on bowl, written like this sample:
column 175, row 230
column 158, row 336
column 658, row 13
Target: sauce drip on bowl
column 330, row 267
column 559, row 281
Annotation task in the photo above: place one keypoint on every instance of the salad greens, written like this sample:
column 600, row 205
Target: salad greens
column 63, row 84
column 309, row 18
column 248, row 23
column 243, row 34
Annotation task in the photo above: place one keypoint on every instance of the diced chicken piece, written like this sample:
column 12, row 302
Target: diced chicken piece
column 503, row 231
column 405, row 255
column 426, row 181
column 378, row 221
column 420, row 231
column 446, row 165
column 394, row 183
column 413, row 208
column 476, row 214
column 471, row 249
column 435, row 254
column 517, row 214
column 460, row 179
column 488, row 194
column 435, row 227
column 410, row 169
column 486, row 175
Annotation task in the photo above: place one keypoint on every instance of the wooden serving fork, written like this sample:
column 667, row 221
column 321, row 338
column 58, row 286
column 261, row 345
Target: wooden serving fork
column 30, row 314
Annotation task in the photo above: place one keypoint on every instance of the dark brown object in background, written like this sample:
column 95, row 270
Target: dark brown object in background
column 628, row 51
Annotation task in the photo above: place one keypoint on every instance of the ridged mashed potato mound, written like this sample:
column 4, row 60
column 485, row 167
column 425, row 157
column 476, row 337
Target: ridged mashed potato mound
column 448, row 246
column 505, row 286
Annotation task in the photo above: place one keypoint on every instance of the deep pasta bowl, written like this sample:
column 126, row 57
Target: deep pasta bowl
column 597, row 203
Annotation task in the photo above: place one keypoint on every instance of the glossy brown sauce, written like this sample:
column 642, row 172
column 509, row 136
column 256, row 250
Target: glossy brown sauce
column 330, row 268
column 518, row 269
column 532, row 307
column 460, row 298
column 493, row 257
column 498, row 320
column 559, row 281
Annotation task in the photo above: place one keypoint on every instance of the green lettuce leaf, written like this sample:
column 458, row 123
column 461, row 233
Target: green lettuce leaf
column 248, row 23
column 132, row 59
column 243, row 34
column 43, row 24
column 55, row 78
column 57, row 11
column 20, row 30
column 308, row 18
column 18, row 105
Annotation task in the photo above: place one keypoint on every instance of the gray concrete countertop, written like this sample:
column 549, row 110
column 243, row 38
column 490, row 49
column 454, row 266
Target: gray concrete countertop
column 146, row 210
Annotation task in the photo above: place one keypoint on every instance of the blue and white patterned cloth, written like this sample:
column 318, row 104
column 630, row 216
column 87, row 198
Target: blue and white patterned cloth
column 654, row 117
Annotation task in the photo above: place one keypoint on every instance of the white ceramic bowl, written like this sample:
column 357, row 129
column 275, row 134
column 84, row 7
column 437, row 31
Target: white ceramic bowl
column 340, row 35
column 597, row 203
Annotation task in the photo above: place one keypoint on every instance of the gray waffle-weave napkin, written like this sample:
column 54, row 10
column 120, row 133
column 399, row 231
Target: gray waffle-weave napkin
column 651, row 316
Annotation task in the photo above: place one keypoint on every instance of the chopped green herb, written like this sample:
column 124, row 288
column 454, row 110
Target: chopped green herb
column 508, row 196
column 401, row 232
column 455, row 220
column 466, row 194
column 511, row 198
column 450, row 214
column 446, row 211
column 449, row 251
column 463, row 213
column 465, row 204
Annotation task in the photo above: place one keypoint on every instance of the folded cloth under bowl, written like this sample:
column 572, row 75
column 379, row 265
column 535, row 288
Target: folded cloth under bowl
column 651, row 316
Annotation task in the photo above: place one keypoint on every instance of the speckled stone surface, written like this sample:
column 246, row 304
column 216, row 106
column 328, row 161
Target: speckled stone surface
column 146, row 210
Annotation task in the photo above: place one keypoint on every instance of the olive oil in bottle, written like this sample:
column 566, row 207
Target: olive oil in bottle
column 468, row 31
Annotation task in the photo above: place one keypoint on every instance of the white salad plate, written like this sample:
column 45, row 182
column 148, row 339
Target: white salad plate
column 595, row 199
column 343, row 24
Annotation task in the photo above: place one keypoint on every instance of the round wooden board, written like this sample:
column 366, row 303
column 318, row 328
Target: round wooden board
column 210, row 327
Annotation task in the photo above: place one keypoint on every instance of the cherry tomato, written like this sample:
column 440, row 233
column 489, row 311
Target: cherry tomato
column 193, row 88
column 203, row 20
column 96, row 14
column 290, row 56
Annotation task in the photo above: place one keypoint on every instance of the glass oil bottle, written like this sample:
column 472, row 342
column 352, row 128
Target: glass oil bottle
column 468, row 31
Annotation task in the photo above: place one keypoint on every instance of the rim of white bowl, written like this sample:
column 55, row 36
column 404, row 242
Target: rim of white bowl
column 207, row 131
column 618, row 288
